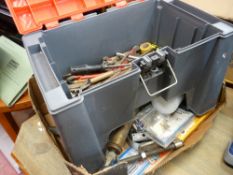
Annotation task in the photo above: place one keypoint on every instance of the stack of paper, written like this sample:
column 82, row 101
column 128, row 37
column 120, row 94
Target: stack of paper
column 15, row 70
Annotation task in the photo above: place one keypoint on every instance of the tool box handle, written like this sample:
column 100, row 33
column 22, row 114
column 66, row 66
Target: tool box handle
column 151, row 94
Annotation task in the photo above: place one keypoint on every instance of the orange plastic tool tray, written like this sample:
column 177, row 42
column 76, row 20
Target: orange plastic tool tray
column 32, row 15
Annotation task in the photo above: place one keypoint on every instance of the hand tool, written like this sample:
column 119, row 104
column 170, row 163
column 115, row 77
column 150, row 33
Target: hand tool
column 72, row 79
column 129, row 56
column 148, row 146
column 111, row 60
column 144, row 155
column 123, row 71
column 80, row 77
column 89, row 69
column 118, row 73
column 116, row 142
column 66, row 76
column 195, row 123
column 133, row 51
column 84, row 84
column 103, row 76
column 77, row 84
column 75, row 92
column 147, row 47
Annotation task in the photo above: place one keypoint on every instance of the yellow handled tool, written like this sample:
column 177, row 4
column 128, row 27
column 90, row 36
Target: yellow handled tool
column 193, row 126
column 147, row 47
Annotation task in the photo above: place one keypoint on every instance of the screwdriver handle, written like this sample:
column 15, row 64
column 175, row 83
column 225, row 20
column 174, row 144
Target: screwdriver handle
column 86, row 69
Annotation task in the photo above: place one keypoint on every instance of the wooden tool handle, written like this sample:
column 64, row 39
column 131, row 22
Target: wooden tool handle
column 102, row 77
column 77, row 84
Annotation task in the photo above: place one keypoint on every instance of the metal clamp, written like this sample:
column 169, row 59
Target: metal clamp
column 164, row 89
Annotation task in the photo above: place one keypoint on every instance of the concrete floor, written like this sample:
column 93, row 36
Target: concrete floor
column 206, row 158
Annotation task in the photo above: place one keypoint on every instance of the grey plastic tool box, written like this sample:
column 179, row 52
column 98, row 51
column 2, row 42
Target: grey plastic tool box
column 197, row 45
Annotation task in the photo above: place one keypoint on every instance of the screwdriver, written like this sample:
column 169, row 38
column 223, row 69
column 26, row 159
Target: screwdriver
column 85, row 83
column 88, row 69
column 70, row 79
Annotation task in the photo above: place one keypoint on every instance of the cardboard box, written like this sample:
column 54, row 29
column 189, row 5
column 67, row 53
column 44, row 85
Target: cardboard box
column 219, row 8
column 39, row 161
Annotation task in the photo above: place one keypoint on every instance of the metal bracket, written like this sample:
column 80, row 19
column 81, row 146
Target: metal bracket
column 163, row 89
column 147, row 61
